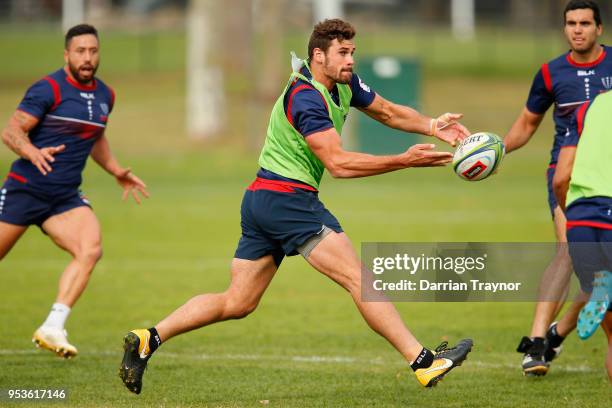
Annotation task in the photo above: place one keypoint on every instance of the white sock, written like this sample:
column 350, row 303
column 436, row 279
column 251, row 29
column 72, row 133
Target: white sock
column 57, row 316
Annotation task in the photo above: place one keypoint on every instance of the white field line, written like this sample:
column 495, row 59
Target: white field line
column 302, row 359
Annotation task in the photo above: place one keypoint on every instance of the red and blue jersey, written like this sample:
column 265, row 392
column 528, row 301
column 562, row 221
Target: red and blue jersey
column 574, row 132
column 307, row 110
column 568, row 84
column 71, row 114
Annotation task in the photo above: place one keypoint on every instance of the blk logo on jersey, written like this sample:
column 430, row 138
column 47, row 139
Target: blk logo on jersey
column 583, row 72
column 87, row 96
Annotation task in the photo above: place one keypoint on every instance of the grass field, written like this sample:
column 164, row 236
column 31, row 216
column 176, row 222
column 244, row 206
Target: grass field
column 306, row 345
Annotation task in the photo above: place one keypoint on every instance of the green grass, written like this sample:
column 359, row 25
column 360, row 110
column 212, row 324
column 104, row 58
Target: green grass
column 306, row 345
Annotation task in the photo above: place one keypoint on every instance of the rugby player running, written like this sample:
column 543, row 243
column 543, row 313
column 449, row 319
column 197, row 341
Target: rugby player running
column 281, row 214
column 59, row 123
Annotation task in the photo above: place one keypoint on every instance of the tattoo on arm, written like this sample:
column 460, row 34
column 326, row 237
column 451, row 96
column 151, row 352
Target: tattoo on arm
column 16, row 133
column 16, row 140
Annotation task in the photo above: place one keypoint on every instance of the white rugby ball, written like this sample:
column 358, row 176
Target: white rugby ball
column 478, row 156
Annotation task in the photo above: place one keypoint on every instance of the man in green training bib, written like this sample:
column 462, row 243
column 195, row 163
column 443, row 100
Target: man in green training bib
column 583, row 188
column 282, row 215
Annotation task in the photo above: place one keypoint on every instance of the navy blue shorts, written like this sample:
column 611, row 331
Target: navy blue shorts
column 278, row 216
column 589, row 234
column 22, row 205
column 552, row 200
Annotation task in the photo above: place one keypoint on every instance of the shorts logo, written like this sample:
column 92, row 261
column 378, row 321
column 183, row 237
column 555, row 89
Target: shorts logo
column 2, row 199
column 84, row 198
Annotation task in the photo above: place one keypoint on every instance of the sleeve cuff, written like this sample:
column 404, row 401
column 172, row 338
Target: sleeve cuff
column 317, row 131
column 33, row 114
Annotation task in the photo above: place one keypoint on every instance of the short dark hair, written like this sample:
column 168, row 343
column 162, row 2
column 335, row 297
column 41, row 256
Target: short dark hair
column 583, row 4
column 326, row 31
column 80, row 29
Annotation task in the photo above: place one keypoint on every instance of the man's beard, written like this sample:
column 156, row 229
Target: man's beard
column 585, row 49
column 75, row 71
column 338, row 78
column 347, row 81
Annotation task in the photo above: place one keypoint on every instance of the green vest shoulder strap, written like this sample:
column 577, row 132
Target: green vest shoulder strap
column 285, row 150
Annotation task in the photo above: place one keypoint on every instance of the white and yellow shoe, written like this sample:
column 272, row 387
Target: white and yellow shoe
column 445, row 359
column 54, row 339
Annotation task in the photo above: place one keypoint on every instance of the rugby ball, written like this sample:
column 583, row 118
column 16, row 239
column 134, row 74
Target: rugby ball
column 478, row 156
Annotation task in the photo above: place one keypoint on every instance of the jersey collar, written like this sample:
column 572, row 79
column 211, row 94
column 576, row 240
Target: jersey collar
column 79, row 86
column 305, row 70
column 601, row 57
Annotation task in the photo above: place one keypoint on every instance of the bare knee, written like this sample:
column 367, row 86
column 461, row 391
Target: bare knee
column 353, row 280
column 354, row 288
column 89, row 254
column 351, row 283
column 237, row 306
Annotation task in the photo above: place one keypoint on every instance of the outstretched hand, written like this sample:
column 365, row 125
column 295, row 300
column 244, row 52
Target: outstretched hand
column 424, row 155
column 131, row 185
column 41, row 158
column 447, row 128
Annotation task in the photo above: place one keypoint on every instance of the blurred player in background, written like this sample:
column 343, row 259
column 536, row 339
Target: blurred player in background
column 583, row 180
column 58, row 124
column 566, row 82
column 282, row 215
